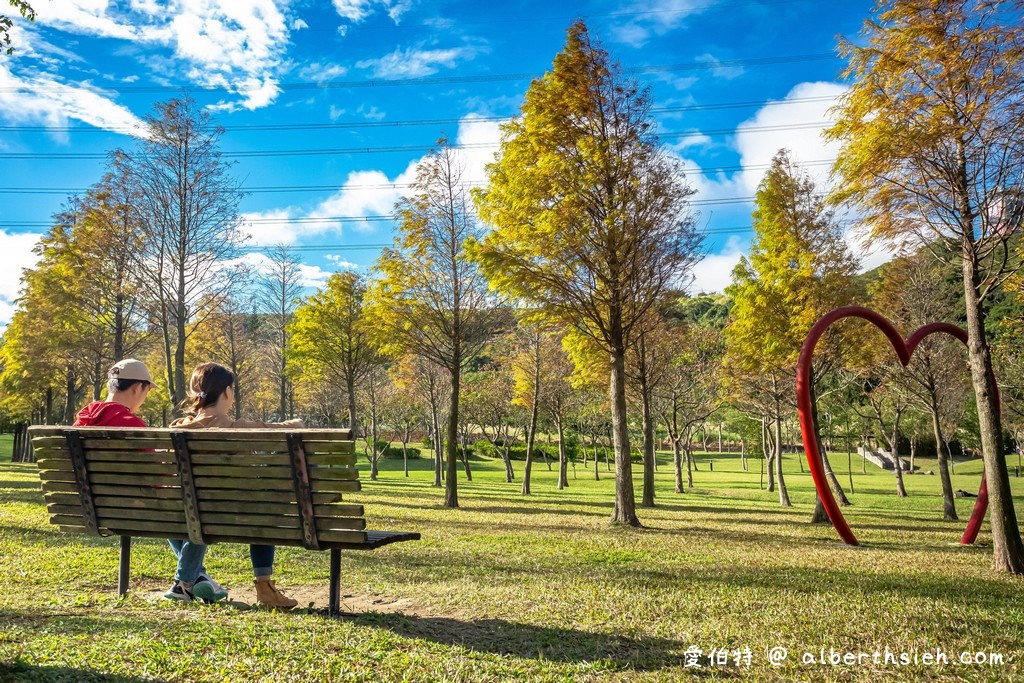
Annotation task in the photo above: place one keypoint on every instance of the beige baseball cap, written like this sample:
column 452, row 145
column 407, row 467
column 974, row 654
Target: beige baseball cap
column 130, row 368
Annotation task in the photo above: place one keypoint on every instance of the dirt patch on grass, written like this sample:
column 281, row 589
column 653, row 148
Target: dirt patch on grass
column 316, row 598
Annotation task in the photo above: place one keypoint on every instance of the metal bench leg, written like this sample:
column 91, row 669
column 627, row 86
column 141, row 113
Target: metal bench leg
column 124, row 568
column 334, row 599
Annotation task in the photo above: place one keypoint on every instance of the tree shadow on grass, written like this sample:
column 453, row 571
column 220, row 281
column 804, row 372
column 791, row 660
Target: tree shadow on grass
column 530, row 641
column 24, row 672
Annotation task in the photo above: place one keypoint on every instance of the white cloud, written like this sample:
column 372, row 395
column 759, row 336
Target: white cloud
column 478, row 140
column 357, row 11
column 354, row 10
column 717, row 70
column 872, row 256
column 17, row 250
column 313, row 276
column 340, row 262
column 772, row 129
column 321, row 73
column 44, row 99
column 299, row 24
column 415, row 63
column 370, row 194
column 656, row 17
column 238, row 45
column 271, row 228
column 714, row 273
column 365, row 194
column 261, row 266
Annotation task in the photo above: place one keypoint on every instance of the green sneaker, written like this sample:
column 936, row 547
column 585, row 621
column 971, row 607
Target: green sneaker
column 208, row 590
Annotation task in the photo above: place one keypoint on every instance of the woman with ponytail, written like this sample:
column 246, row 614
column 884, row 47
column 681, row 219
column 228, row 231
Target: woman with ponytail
column 212, row 394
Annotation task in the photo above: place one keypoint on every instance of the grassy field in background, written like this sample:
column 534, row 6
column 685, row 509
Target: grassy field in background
column 541, row 588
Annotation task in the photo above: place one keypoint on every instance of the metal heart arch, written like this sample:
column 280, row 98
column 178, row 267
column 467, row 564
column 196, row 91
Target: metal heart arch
column 904, row 350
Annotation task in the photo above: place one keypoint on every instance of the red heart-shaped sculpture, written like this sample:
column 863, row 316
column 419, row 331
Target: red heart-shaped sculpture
column 904, row 350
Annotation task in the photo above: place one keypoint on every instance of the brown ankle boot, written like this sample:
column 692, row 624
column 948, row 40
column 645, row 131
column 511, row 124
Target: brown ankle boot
column 268, row 595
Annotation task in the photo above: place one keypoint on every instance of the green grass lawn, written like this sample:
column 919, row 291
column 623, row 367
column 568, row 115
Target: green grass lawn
column 540, row 588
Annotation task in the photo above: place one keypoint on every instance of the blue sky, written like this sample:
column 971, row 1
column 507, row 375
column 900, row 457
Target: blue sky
column 328, row 106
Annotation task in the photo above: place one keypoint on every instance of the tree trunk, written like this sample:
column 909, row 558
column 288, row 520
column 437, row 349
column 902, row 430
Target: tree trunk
column 69, row 396
column 647, row 499
column 1007, row 548
column 350, row 387
column 563, row 480
column 901, row 490
column 677, row 461
column 833, row 481
column 373, row 434
column 783, row 492
column 625, row 501
column 451, row 486
column 179, row 353
column 948, row 502
column 769, row 453
column 436, row 425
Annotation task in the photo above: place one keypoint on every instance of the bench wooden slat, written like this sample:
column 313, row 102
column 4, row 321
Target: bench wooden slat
column 171, row 492
column 329, row 446
column 333, row 474
column 139, row 503
column 269, row 521
column 327, row 486
column 48, row 441
column 262, row 507
column 115, row 444
column 121, row 513
column 59, row 487
column 120, row 479
column 146, row 456
column 50, row 452
column 64, row 499
column 243, row 472
column 241, row 495
column 234, row 446
column 240, row 459
column 52, row 464
column 246, row 484
column 331, row 460
column 123, row 527
column 162, row 469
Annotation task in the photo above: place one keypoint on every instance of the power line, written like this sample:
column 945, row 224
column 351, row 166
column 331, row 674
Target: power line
column 299, row 86
column 340, row 151
column 410, row 123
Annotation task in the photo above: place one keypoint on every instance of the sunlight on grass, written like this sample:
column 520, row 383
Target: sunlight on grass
column 537, row 588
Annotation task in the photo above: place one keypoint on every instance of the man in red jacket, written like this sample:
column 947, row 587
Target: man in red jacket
column 128, row 384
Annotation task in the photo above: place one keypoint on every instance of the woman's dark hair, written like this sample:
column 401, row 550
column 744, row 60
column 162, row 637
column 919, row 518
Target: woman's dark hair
column 208, row 382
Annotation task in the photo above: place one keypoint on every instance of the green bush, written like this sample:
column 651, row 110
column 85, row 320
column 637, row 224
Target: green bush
column 395, row 452
column 484, row 448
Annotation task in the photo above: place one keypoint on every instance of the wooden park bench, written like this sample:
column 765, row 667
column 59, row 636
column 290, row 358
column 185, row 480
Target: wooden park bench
column 264, row 486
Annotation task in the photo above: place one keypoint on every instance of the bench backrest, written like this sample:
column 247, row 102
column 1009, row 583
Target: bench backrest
column 278, row 487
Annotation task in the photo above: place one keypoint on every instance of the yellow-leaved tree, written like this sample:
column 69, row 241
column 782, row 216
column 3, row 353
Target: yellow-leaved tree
column 430, row 300
column 590, row 216
column 931, row 134
column 799, row 269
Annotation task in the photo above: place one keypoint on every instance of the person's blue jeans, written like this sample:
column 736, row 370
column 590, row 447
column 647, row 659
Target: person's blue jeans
column 262, row 557
column 190, row 559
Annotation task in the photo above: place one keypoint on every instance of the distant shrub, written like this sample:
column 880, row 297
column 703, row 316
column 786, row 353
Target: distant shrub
column 395, row 452
column 484, row 448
